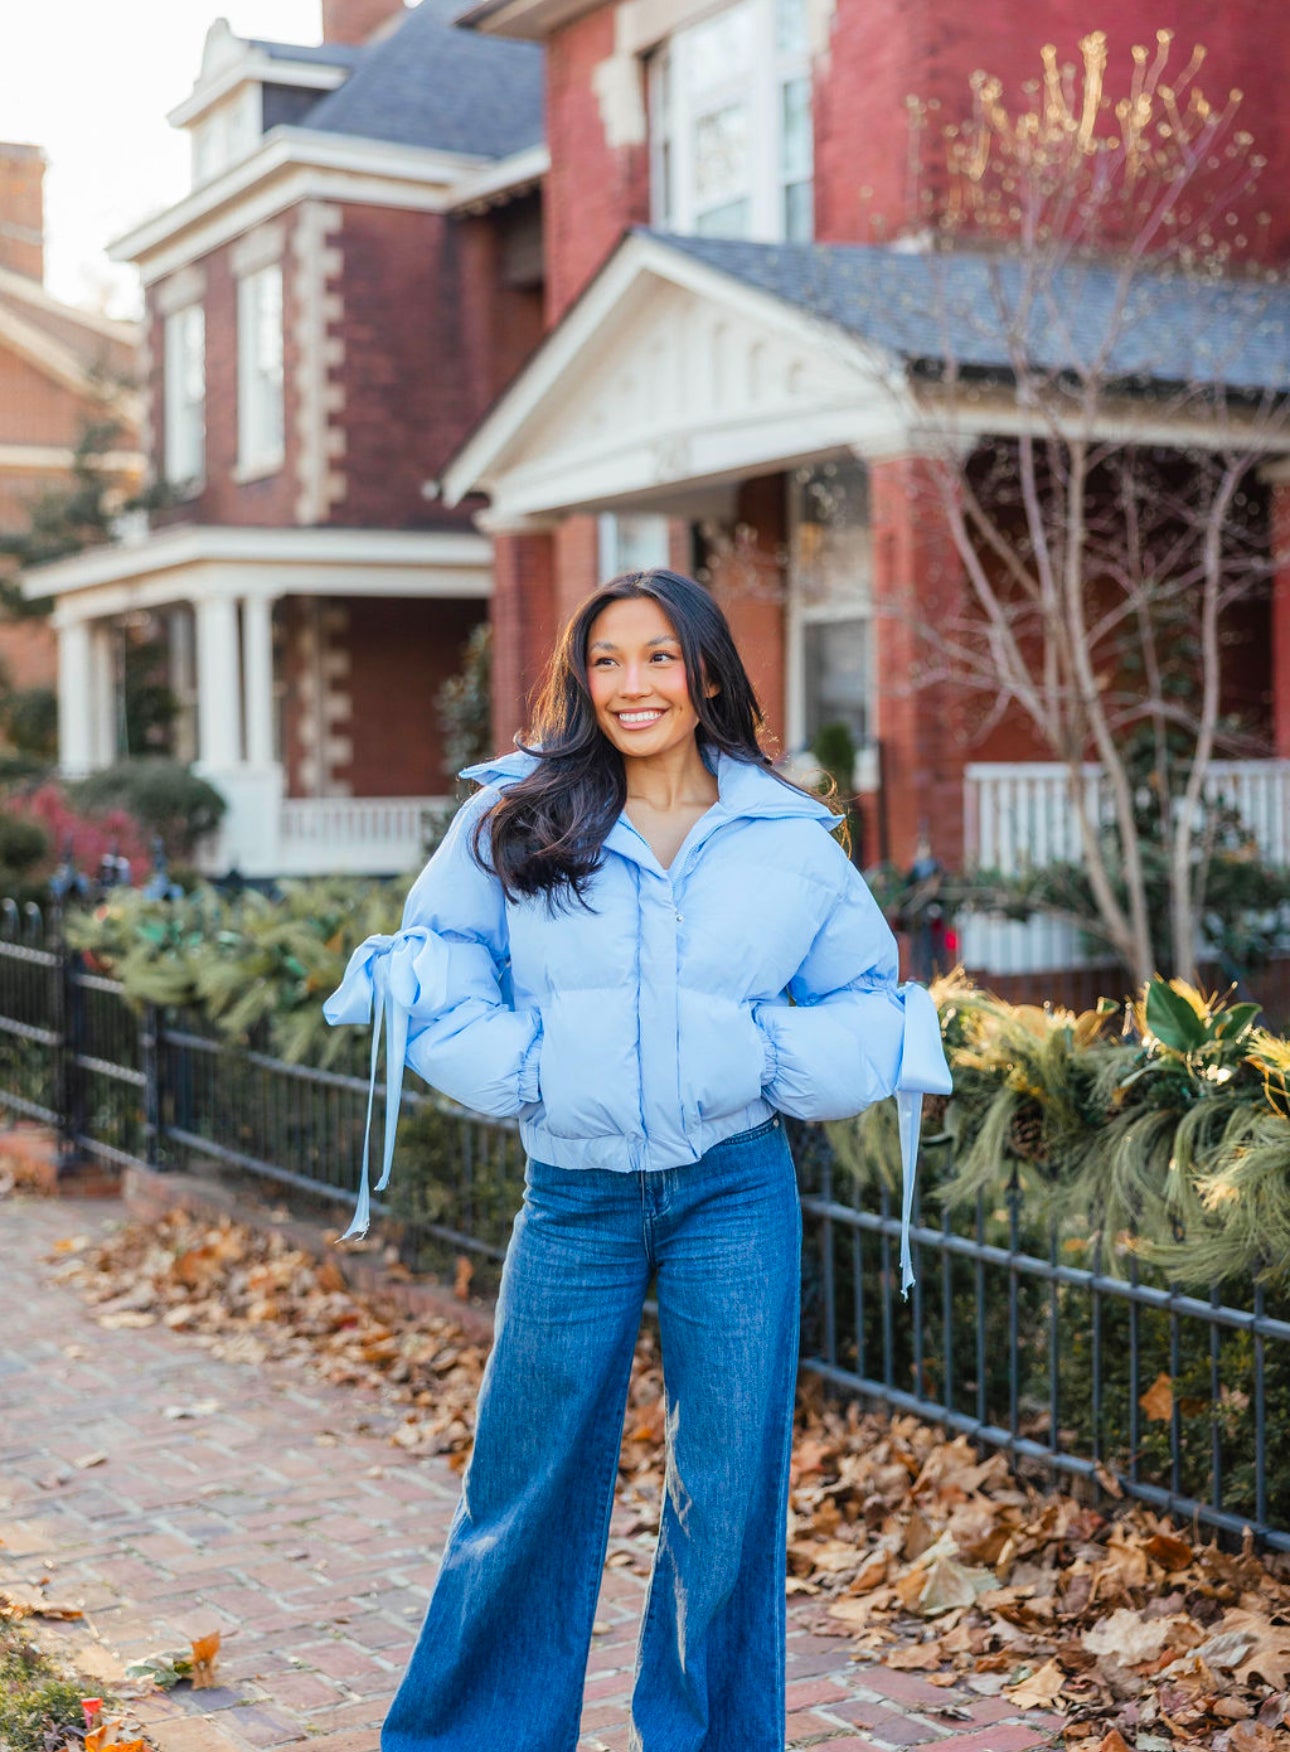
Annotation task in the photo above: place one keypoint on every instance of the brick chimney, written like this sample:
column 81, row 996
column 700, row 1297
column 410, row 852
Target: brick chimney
column 353, row 21
column 22, row 210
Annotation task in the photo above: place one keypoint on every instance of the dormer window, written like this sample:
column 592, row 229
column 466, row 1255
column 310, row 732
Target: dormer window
column 730, row 110
column 226, row 133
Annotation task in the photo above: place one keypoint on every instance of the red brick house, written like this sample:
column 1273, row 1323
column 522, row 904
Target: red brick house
column 354, row 275
column 62, row 369
column 718, row 175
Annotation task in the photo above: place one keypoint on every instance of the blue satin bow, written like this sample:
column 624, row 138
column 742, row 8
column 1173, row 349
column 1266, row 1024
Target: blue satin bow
column 923, row 1071
column 387, row 976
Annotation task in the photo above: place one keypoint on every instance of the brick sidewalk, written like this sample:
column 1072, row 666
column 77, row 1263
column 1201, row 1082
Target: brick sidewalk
column 286, row 1520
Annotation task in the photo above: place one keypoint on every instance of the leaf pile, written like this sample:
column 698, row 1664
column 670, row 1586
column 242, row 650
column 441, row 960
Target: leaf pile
column 924, row 1554
column 1119, row 1621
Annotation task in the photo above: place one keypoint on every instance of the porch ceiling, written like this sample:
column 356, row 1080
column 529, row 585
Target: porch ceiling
column 666, row 380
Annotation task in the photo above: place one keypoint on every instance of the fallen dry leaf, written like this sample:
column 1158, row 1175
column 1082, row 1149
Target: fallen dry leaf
column 1040, row 1690
column 1158, row 1400
column 205, row 1649
column 892, row 1523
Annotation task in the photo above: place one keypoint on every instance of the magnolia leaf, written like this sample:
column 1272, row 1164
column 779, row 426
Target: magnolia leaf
column 164, row 1670
column 1172, row 1019
column 1233, row 1023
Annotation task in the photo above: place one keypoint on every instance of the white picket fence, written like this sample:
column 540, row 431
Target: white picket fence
column 1017, row 816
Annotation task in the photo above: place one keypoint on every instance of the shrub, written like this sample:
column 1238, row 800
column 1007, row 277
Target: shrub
column 31, row 721
column 23, row 845
column 163, row 796
column 88, row 837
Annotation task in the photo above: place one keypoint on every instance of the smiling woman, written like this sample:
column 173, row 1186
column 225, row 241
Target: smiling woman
column 646, row 944
column 636, row 674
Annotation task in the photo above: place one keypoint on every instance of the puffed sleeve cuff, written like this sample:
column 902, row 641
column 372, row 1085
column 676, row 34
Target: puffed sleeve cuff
column 529, row 1088
column 769, row 1056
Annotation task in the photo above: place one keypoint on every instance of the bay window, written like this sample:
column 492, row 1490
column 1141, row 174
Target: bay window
column 730, row 114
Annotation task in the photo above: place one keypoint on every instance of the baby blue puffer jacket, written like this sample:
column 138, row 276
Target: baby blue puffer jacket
column 639, row 1035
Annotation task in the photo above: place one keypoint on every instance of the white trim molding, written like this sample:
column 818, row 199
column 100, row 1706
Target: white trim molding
column 501, row 181
column 230, row 61
column 668, row 378
column 291, row 165
column 192, row 561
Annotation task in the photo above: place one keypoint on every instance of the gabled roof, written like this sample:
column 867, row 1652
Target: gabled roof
column 689, row 362
column 89, row 354
column 926, row 307
column 426, row 83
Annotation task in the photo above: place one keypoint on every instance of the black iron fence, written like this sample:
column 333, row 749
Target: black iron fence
column 1016, row 1335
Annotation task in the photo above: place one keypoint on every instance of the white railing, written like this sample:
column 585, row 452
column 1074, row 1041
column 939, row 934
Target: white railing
column 1017, row 816
column 370, row 836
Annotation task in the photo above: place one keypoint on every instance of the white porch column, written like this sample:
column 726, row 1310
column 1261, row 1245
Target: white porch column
column 75, row 720
column 219, row 692
column 257, row 664
column 103, row 745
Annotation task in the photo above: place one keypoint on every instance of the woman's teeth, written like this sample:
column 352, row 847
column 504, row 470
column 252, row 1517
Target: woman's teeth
column 633, row 720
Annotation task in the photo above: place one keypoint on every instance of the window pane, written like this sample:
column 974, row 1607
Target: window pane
column 732, row 220
column 836, row 679
column 185, row 411
column 268, row 323
column 831, row 557
column 799, row 212
column 795, row 130
column 632, row 543
column 193, row 330
column 719, row 49
column 259, row 343
column 791, row 35
column 721, row 155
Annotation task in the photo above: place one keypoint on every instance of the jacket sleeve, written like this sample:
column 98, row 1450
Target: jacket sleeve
column 436, row 986
column 853, row 1034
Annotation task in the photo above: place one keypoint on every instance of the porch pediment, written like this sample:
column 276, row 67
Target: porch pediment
column 669, row 377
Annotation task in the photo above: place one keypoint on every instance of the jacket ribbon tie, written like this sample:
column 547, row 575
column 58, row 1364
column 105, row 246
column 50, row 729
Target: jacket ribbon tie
column 923, row 1071
column 388, row 976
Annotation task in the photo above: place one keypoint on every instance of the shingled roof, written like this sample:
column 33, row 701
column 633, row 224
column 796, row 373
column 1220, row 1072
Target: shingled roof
column 430, row 84
column 926, row 307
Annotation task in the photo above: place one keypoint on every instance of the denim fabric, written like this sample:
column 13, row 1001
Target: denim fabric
column 500, row 1660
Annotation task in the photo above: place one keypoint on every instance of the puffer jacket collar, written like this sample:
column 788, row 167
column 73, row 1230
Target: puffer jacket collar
column 744, row 791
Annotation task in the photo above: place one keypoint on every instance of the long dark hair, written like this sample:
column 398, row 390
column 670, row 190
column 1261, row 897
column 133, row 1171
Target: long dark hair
column 547, row 829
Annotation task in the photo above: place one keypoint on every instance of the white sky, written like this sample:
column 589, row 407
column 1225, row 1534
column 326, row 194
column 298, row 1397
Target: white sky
column 91, row 81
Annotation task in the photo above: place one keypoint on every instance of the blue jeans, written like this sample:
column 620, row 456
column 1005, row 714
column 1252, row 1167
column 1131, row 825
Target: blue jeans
column 501, row 1657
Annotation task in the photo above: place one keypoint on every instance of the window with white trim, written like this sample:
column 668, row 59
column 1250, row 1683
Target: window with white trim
column 831, row 640
column 226, row 133
column 184, row 396
column 259, row 371
column 630, row 542
column 730, row 125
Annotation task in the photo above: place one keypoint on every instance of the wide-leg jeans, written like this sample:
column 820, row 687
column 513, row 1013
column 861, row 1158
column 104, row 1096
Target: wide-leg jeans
column 500, row 1660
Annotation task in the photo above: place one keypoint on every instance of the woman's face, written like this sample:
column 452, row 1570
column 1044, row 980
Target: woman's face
column 637, row 678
